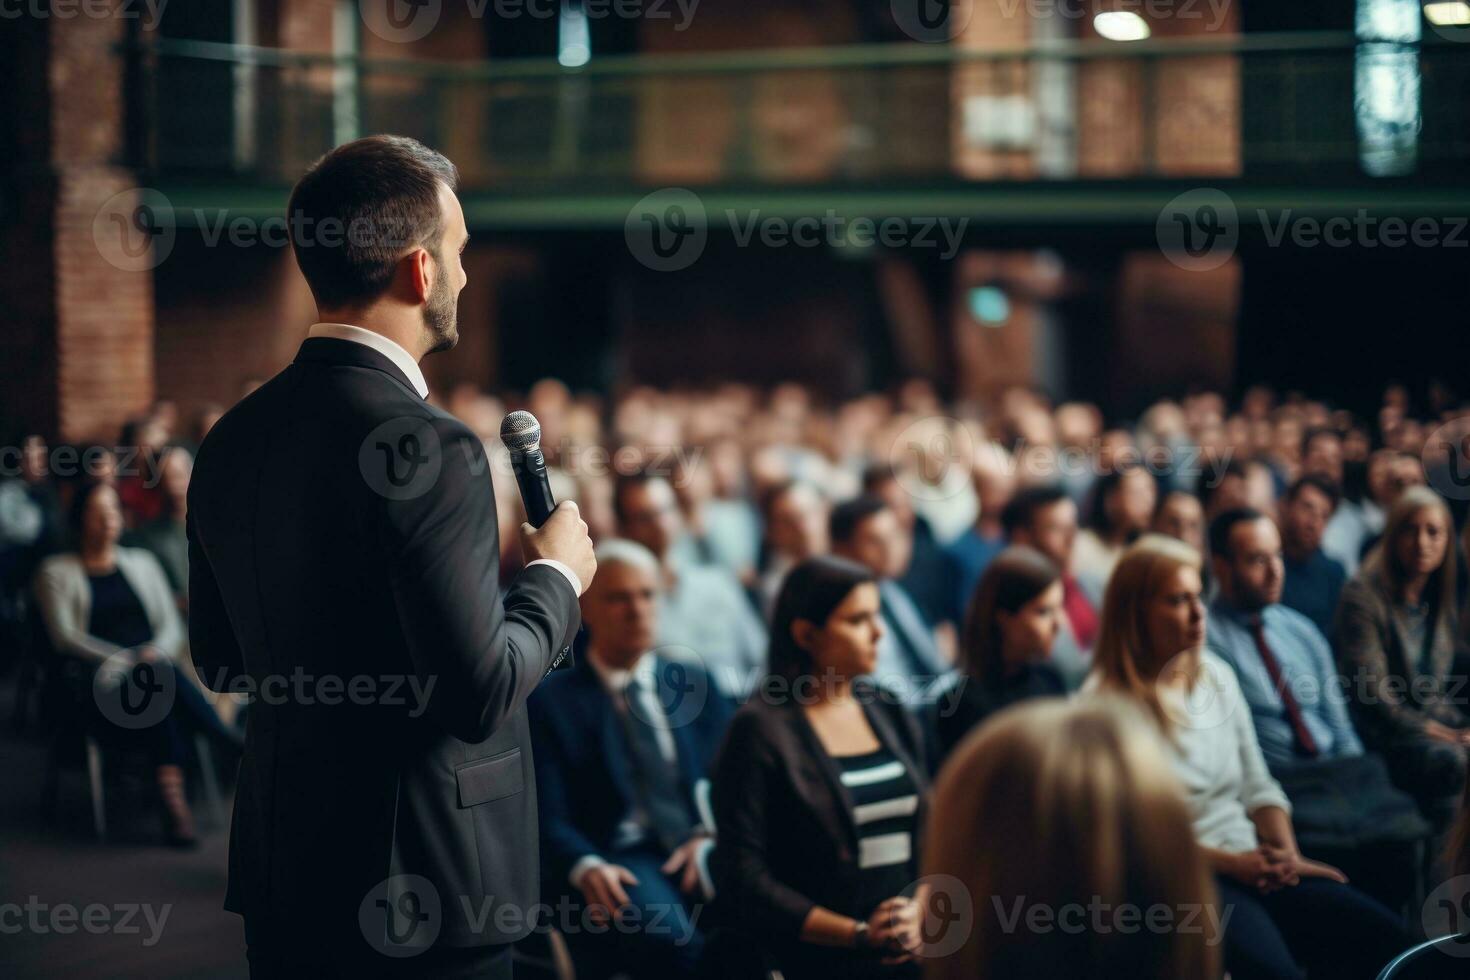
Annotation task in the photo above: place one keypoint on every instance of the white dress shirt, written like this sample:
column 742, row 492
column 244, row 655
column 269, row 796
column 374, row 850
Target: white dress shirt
column 405, row 362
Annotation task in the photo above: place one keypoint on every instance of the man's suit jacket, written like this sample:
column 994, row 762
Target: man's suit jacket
column 342, row 531
column 585, row 777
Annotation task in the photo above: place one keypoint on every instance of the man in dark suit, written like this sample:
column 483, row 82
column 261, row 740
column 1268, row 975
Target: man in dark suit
column 625, row 739
column 344, row 564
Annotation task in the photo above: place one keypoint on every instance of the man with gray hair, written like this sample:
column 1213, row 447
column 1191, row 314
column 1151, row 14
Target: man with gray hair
column 623, row 742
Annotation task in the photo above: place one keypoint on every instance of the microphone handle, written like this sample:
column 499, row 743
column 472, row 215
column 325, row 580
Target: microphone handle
column 530, row 471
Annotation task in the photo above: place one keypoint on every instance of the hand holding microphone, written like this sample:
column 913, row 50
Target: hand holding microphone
column 554, row 531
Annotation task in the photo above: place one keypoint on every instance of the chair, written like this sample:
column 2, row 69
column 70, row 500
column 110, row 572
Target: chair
column 1439, row 959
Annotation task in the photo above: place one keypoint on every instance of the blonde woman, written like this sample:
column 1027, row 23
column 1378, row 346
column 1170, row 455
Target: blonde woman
column 1286, row 913
column 1077, row 813
column 1395, row 636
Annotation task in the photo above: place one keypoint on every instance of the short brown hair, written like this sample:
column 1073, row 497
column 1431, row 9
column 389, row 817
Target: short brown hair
column 356, row 211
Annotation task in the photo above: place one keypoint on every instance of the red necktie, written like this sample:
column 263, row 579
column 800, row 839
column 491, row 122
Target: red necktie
column 1305, row 742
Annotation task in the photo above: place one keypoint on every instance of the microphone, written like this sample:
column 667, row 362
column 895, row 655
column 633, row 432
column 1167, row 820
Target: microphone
column 521, row 434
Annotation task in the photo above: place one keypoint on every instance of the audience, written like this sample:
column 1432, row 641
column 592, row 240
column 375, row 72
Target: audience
column 866, row 530
column 705, row 616
column 109, row 609
column 1283, row 663
column 1013, row 622
column 623, row 743
column 1313, row 581
column 1068, row 807
column 1396, row 637
column 164, row 537
column 1288, row 913
column 819, row 793
column 876, row 575
column 928, row 573
column 795, row 516
column 1045, row 518
column 973, row 551
column 1121, row 509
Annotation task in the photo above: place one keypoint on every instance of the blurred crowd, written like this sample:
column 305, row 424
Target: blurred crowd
column 1239, row 630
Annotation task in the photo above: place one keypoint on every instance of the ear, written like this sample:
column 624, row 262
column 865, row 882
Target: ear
column 804, row 632
column 420, row 275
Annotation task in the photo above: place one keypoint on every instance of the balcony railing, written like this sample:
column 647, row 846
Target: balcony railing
column 1302, row 105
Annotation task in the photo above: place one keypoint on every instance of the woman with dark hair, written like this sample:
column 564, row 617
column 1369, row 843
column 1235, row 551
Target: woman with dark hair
column 818, row 792
column 109, row 612
column 1014, row 618
column 1120, row 509
column 1395, row 636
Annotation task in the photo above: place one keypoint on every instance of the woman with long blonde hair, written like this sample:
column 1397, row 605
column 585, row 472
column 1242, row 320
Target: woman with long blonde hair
column 1053, row 827
column 1396, row 637
column 1285, row 911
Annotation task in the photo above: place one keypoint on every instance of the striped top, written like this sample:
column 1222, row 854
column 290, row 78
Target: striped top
column 885, row 802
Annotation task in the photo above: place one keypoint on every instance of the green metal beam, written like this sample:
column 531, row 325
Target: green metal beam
column 994, row 204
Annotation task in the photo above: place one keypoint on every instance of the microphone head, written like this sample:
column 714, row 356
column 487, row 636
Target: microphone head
column 520, row 432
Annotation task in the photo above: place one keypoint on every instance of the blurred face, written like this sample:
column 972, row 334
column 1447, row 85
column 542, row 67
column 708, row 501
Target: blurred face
column 881, row 544
column 797, row 525
column 1252, row 575
column 441, row 314
column 102, row 521
column 621, row 612
column 1422, row 541
column 1053, row 530
column 1027, row 635
column 897, row 499
column 651, row 516
column 1182, row 517
column 1382, row 485
column 33, row 459
column 847, row 643
column 1131, row 506
column 1324, row 457
column 177, row 467
column 1304, row 519
column 1174, row 618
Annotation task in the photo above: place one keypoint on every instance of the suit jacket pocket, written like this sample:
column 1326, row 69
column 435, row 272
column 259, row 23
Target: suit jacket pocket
column 490, row 779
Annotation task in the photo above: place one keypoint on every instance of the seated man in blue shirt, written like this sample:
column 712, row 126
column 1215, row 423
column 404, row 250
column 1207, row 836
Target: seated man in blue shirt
column 1284, row 663
column 1343, row 800
column 1313, row 580
column 623, row 741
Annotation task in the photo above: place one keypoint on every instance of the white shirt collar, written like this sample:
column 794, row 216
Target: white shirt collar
column 616, row 679
column 401, row 358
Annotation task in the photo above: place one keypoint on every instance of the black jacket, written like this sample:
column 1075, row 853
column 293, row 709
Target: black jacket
column 785, row 823
column 310, row 558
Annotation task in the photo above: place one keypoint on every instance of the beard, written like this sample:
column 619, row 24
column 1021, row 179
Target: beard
column 441, row 315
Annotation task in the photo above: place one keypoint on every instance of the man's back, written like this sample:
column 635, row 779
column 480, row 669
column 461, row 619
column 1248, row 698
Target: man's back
column 344, row 563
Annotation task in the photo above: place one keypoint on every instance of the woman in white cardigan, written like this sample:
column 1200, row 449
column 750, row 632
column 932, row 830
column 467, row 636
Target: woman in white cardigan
column 110, row 615
column 1286, row 912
